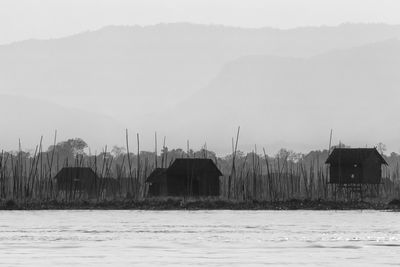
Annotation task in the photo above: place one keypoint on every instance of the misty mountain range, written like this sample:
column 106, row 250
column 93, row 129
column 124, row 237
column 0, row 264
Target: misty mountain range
column 285, row 88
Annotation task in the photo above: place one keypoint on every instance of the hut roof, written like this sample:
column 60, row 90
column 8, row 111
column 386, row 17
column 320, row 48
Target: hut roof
column 353, row 155
column 156, row 175
column 75, row 172
column 199, row 166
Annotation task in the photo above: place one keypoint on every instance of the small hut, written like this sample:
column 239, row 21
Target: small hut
column 355, row 166
column 76, row 179
column 186, row 177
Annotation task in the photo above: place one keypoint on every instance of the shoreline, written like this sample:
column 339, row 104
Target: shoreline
column 180, row 204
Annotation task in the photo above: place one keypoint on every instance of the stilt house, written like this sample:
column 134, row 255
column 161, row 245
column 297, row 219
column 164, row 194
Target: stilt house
column 355, row 166
column 185, row 177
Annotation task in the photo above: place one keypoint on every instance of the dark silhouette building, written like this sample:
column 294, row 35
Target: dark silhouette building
column 355, row 166
column 185, row 177
column 83, row 180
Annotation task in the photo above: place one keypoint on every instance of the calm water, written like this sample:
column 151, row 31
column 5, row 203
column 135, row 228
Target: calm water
column 206, row 238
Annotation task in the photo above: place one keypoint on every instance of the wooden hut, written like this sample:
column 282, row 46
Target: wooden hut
column 75, row 181
column 186, row 177
column 355, row 166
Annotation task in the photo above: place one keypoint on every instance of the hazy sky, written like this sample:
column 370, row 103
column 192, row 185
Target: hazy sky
column 24, row 19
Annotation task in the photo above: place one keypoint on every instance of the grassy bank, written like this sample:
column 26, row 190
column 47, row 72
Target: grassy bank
column 181, row 204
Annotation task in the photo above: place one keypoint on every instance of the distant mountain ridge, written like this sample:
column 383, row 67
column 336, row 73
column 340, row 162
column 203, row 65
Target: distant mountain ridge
column 297, row 100
column 146, row 76
column 183, row 57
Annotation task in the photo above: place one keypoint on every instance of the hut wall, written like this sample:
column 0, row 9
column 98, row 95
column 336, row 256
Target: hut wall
column 346, row 173
column 334, row 173
column 160, row 188
column 208, row 185
column 177, row 185
column 372, row 170
column 204, row 185
column 76, row 184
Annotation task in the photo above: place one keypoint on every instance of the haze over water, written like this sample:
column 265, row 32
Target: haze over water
column 197, row 238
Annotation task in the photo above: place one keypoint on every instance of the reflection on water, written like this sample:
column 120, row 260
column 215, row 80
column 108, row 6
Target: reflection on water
column 206, row 238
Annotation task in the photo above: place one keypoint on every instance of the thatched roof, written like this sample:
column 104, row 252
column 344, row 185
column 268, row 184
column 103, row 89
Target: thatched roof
column 76, row 173
column 156, row 175
column 189, row 166
column 353, row 155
